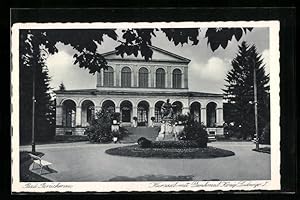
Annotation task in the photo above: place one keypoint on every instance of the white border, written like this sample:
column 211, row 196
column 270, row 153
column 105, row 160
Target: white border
column 273, row 184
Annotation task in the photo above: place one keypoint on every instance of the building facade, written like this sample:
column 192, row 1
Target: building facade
column 137, row 89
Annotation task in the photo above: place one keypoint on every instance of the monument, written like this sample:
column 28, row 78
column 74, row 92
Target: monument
column 167, row 129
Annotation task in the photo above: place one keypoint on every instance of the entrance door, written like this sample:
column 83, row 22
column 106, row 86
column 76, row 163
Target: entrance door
column 126, row 114
column 142, row 116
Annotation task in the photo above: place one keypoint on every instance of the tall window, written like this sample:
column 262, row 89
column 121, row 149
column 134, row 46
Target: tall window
column 126, row 77
column 108, row 79
column 177, row 78
column 143, row 77
column 160, row 78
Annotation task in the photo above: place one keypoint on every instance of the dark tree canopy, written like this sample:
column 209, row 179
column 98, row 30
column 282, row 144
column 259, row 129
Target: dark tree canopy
column 239, row 90
column 132, row 41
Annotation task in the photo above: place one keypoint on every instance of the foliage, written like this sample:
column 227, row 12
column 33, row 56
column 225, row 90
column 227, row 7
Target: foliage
column 240, row 94
column 265, row 136
column 132, row 42
column 220, row 36
column 182, row 118
column 196, row 131
column 99, row 130
column 115, row 116
column 62, row 87
column 31, row 62
column 144, row 143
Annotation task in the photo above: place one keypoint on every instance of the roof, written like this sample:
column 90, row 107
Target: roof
column 169, row 56
column 134, row 93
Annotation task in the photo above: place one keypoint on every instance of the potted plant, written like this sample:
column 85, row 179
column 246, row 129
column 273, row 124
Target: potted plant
column 134, row 121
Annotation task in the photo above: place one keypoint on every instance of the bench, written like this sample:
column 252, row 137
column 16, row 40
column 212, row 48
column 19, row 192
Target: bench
column 38, row 161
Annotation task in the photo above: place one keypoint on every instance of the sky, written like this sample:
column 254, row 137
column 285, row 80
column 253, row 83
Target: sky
column 207, row 69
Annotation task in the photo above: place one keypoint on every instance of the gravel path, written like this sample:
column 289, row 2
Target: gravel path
column 88, row 162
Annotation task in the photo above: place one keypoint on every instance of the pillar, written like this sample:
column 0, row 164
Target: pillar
column 101, row 77
column 135, row 76
column 117, row 109
column 220, row 116
column 99, row 80
column 59, row 115
column 134, row 112
column 117, row 75
column 151, row 114
column 185, row 77
column 185, row 110
column 78, row 116
column 203, row 116
column 169, row 77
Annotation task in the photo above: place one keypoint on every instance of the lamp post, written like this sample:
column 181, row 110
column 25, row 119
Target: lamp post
column 255, row 107
column 43, row 54
column 256, row 140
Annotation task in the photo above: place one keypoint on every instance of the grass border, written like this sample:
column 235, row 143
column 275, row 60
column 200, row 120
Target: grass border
column 169, row 153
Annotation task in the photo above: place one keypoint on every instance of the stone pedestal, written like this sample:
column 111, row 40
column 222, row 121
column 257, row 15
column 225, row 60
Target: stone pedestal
column 167, row 131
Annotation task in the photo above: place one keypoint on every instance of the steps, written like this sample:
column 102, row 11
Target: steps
column 135, row 133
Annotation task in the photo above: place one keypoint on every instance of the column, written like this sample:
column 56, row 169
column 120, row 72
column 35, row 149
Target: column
column 135, row 75
column 134, row 112
column 169, row 77
column 203, row 116
column 153, row 72
column 151, row 114
column 185, row 77
column 185, row 110
column 117, row 76
column 59, row 115
column 101, row 77
column 220, row 116
column 117, row 109
column 99, row 80
column 78, row 116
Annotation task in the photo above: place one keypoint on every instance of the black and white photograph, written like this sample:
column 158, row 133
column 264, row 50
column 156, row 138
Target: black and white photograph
column 164, row 106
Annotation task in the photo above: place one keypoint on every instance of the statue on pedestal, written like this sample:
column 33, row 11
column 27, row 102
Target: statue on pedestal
column 167, row 111
column 167, row 126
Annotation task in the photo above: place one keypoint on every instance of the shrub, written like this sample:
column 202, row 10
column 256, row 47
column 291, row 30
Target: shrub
column 115, row 116
column 100, row 128
column 195, row 131
column 182, row 118
column 144, row 143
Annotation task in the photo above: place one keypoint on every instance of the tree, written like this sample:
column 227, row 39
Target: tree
column 62, row 87
column 132, row 42
column 239, row 91
column 31, row 61
column 85, row 42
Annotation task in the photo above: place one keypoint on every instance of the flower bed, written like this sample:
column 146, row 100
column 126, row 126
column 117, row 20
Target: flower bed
column 163, row 152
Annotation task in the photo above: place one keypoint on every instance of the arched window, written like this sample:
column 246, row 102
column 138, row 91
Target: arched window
column 211, row 115
column 108, row 79
column 69, row 113
column 157, row 112
column 126, row 77
column 177, row 78
column 143, row 77
column 160, row 78
column 87, row 112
